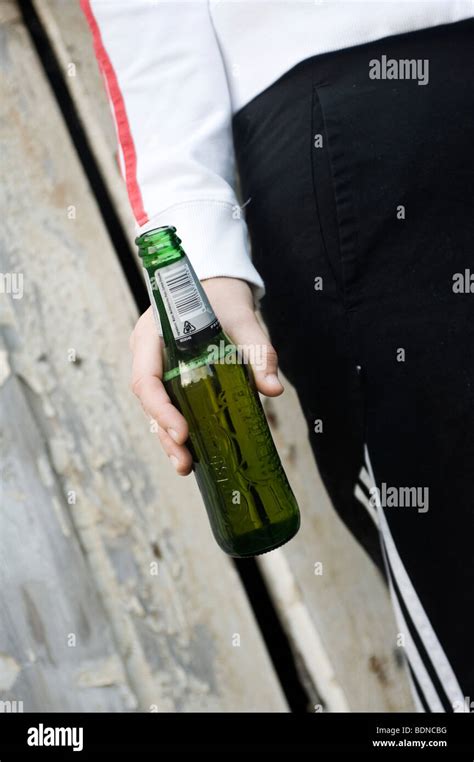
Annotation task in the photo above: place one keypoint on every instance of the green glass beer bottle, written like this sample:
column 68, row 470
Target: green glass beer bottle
column 249, row 501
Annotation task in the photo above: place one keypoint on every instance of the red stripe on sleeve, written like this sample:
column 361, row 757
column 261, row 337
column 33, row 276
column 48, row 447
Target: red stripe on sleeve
column 121, row 119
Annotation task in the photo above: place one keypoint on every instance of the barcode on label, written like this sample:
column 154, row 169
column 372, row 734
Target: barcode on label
column 183, row 293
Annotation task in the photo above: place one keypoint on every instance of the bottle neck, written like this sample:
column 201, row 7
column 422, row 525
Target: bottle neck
column 182, row 310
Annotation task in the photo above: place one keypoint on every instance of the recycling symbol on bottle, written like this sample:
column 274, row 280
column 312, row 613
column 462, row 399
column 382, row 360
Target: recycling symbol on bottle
column 188, row 327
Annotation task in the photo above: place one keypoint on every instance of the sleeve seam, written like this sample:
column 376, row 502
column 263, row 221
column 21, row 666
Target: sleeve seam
column 217, row 202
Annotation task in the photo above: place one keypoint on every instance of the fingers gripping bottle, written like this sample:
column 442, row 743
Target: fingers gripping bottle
column 249, row 502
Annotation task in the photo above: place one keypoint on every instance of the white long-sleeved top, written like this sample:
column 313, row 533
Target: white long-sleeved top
column 177, row 70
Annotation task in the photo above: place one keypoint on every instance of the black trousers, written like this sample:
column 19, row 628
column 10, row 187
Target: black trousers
column 361, row 217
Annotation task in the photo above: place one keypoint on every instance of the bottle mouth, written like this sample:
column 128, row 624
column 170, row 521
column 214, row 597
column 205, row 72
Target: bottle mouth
column 160, row 242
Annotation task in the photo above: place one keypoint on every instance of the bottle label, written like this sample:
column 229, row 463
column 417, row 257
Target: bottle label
column 186, row 303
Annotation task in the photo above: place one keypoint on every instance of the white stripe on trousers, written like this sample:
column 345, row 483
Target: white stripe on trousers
column 414, row 606
column 413, row 657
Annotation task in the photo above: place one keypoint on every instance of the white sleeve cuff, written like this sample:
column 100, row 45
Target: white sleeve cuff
column 214, row 237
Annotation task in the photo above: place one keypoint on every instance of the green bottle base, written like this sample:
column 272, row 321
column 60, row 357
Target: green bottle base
column 261, row 541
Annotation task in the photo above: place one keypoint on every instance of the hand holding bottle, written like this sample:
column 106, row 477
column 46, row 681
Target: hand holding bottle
column 232, row 302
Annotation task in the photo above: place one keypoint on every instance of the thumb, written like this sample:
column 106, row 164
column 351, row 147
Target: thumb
column 257, row 350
